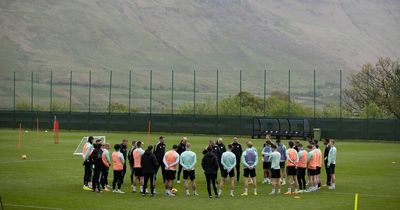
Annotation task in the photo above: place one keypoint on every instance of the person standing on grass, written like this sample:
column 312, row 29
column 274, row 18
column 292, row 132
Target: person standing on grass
column 96, row 159
column 331, row 164
column 222, row 149
column 106, row 165
column 250, row 161
column 319, row 164
column 291, row 162
column 282, row 151
column 118, row 168
column 180, row 150
column 159, row 152
column 188, row 160
column 275, row 158
column 87, row 150
column 228, row 162
column 327, row 171
column 137, row 166
column 210, row 166
column 171, row 161
column 312, row 168
column 237, row 150
column 131, row 161
column 123, row 150
column 266, row 162
column 301, row 168
column 149, row 164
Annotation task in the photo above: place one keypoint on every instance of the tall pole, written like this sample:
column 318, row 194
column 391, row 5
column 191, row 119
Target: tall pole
column 194, row 93
column 289, row 94
column 172, row 99
column 90, row 87
column 32, row 92
column 217, row 104
column 130, row 92
column 109, row 95
column 151, row 91
column 51, row 91
column 70, row 92
column 340, row 104
column 14, row 106
column 315, row 95
column 240, row 102
column 265, row 91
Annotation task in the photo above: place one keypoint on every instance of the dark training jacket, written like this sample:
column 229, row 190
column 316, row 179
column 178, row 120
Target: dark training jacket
column 148, row 162
column 210, row 163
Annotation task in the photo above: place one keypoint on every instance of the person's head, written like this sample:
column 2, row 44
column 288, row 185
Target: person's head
column 220, row 141
column 317, row 146
column 309, row 147
column 296, row 143
column 161, row 139
column 300, row 146
column 211, row 143
column 184, row 140
column 326, row 141
column 278, row 142
column 230, row 147
column 188, row 146
column 149, row 148
column 249, row 144
column 117, row 147
column 268, row 137
column 273, row 146
column 125, row 142
column 107, row 146
column 268, row 142
column 134, row 143
column 139, row 144
column 332, row 142
column 235, row 139
column 175, row 147
column 291, row 144
column 90, row 139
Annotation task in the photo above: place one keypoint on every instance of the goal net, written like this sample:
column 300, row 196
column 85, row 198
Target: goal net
column 79, row 148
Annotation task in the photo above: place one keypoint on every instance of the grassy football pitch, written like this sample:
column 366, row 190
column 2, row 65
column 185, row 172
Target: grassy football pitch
column 51, row 177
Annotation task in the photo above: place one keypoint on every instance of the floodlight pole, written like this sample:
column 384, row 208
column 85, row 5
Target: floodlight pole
column 265, row 91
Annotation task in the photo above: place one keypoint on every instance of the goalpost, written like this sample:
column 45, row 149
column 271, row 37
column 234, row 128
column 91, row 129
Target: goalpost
column 79, row 148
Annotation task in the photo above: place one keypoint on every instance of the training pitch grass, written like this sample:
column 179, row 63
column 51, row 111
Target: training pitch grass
column 51, row 177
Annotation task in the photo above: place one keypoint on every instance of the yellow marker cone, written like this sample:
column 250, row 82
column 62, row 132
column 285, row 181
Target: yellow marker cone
column 355, row 201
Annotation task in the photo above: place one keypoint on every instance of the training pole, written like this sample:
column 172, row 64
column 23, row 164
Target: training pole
column 148, row 133
column 355, row 201
column 55, row 129
column 37, row 129
column 19, row 136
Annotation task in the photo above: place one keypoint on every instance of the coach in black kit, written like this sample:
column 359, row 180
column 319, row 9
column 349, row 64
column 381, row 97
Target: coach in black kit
column 159, row 152
column 237, row 150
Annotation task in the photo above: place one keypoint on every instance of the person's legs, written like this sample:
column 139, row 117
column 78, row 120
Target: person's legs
column 146, row 180
column 152, row 185
column 88, row 173
column 254, row 185
column 232, row 188
column 208, row 181
column 131, row 175
column 237, row 169
column 328, row 176
column 303, row 178
column 246, row 185
column 179, row 173
column 213, row 179
column 300, row 180
column 120, row 179
column 221, row 186
column 115, row 179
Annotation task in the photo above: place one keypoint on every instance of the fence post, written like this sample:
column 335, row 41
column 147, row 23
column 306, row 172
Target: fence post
column 315, row 95
column 289, row 94
column 341, row 105
column 151, row 91
column 172, row 100
column 14, row 105
column 33, row 118
column 109, row 103
column 265, row 90
column 129, row 99
column 90, row 93
column 70, row 101
column 367, row 108
column 51, row 92
column 217, row 104
column 194, row 102
column 240, row 103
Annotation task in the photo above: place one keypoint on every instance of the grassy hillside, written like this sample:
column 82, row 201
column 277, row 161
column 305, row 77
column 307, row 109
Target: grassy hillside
column 205, row 35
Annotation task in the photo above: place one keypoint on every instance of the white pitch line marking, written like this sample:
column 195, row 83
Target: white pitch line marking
column 31, row 206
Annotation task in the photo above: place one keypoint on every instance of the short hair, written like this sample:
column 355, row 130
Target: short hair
column 150, row 147
column 230, row 146
column 133, row 142
column 300, row 145
column 309, row 146
column 291, row 144
column 98, row 141
column 175, row 147
column 117, row 147
column 90, row 139
column 124, row 140
column 249, row 144
column 188, row 145
column 333, row 141
column 139, row 144
column 269, row 142
column 209, row 149
column 161, row 137
column 278, row 141
column 273, row 146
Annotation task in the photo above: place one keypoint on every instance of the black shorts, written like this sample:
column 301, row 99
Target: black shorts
column 332, row 169
column 266, row 165
column 291, row 171
column 138, row 171
column 275, row 173
column 312, row 172
column 189, row 174
column 170, row 174
column 282, row 164
column 224, row 173
column 318, row 170
column 249, row 172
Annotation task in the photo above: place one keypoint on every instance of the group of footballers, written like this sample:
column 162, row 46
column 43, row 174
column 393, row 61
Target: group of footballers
column 279, row 164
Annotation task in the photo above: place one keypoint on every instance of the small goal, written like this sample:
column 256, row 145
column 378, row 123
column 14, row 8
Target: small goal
column 79, row 148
